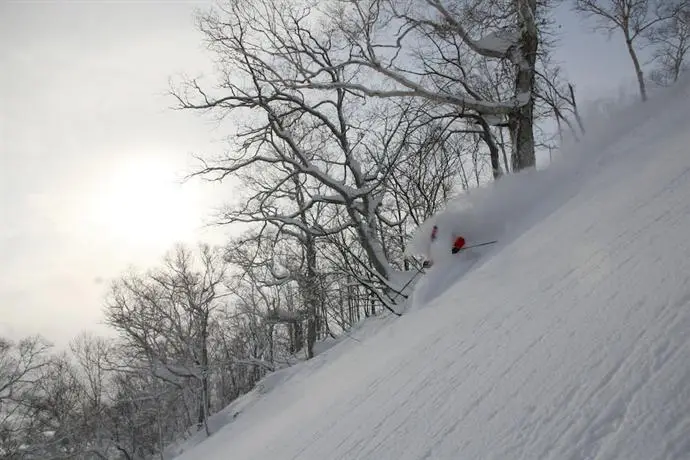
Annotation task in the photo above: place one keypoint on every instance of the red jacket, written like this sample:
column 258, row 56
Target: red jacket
column 458, row 244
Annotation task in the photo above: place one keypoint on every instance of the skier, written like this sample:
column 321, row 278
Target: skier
column 458, row 244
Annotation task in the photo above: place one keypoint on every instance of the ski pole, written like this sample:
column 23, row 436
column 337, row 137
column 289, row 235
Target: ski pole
column 406, row 284
column 478, row 245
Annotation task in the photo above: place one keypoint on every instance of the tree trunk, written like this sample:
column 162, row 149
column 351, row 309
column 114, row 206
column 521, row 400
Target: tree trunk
column 311, row 336
column 203, row 406
column 521, row 121
column 573, row 101
column 296, row 336
column 638, row 68
column 312, row 295
column 309, row 284
column 205, row 400
column 494, row 153
column 366, row 233
column 271, row 345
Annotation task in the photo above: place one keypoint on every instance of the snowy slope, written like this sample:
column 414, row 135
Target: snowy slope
column 569, row 340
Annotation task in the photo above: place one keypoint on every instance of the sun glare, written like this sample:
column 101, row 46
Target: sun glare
column 143, row 205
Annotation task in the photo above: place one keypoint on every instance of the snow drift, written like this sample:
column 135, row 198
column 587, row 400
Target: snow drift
column 567, row 340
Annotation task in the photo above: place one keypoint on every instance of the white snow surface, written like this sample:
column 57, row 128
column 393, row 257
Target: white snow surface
column 569, row 339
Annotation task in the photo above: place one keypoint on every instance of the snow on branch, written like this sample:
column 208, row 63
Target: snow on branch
column 500, row 41
column 494, row 45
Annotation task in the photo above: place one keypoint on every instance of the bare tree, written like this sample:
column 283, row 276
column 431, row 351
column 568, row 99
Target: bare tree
column 92, row 355
column 301, row 149
column 671, row 42
column 270, row 266
column 558, row 99
column 21, row 370
column 165, row 317
column 635, row 19
column 298, row 139
column 140, row 423
column 55, row 404
column 92, row 362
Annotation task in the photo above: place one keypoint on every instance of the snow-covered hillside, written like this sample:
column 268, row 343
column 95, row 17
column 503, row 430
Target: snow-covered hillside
column 569, row 339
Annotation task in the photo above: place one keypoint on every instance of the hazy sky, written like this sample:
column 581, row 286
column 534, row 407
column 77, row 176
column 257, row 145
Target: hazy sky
column 90, row 151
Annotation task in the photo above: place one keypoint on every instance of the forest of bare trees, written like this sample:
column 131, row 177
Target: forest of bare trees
column 349, row 123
